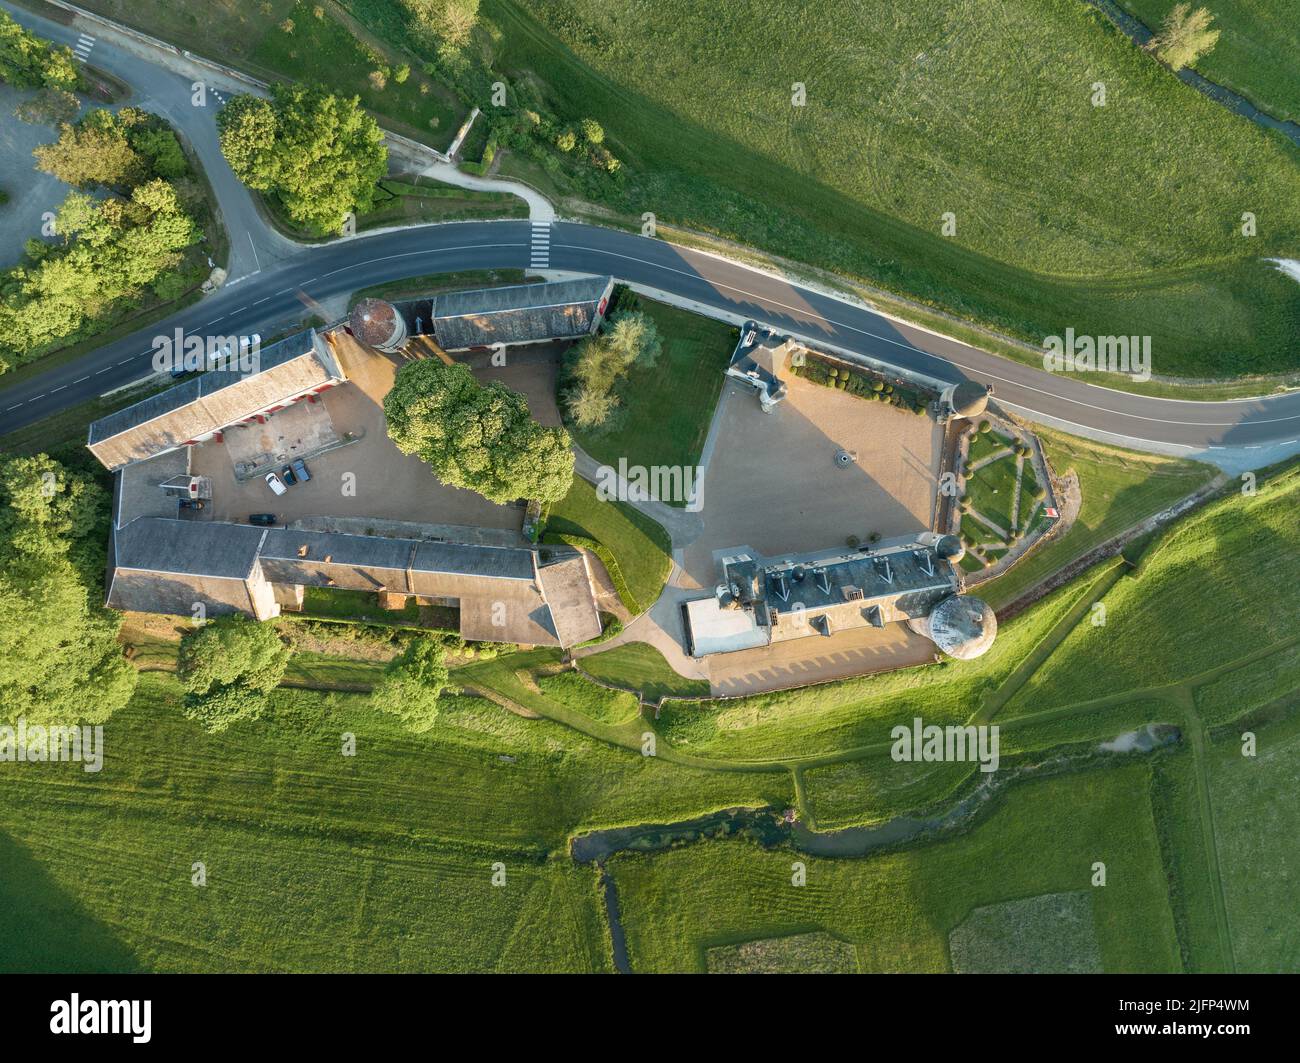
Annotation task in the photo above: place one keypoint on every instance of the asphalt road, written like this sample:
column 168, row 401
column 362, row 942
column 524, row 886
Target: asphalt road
column 286, row 278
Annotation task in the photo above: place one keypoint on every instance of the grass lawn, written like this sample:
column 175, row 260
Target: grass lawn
column 1114, row 220
column 899, row 908
column 991, row 490
column 1256, row 52
column 334, row 51
column 666, row 410
column 1120, row 488
column 639, row 666
column 412, row 202
column 639, row 545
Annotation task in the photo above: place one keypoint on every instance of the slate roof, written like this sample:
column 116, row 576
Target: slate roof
column 211, row 401
column 519, row 313
column 164, row 565
column 757, row 358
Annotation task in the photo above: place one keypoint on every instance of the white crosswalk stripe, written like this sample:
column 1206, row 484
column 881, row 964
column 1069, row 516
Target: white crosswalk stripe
column 85, row 42
column 541, row 245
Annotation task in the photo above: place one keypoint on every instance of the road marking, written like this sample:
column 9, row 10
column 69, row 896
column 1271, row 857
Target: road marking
column 256, row 261
column 13, row 407
column 61, row 387
column 83, row 46
column 540, row 249
column 804, row 311
column 80, row 379
column 125, row 361
column 104, row 370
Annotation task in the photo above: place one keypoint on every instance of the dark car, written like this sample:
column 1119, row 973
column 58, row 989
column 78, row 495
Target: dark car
column 191, row 503
column 261, row 518
column 287, row 475
column 300, row 468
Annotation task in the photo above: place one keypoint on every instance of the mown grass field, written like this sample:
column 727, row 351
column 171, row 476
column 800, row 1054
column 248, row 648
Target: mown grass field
column 639, row 666
column 1256, row 51
column 316, row 861
column 1218, row 587
column 668, row 407
column 641, row 547
column 1120, row 219
column 899, row 908
column 1257, row 824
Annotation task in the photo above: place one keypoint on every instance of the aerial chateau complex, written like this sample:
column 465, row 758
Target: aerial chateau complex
column 619, row 487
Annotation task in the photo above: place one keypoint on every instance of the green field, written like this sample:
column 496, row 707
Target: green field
column 666, row 409
column 1113, row 220
column 1255, row 54
column 1217, row 589
column 639, row 545
column 316, row 861
column 1119, row 489
column 899, row 908
column 639, row 666
column 1257, row 825
column 334, row 50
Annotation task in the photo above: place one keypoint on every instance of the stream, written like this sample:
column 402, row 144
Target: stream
column 1140, row 34
column 767, row 827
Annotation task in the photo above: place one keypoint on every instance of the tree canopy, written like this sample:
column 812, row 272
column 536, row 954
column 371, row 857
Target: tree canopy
column 412, row 684
column 600, row 363
column 112, row 249
column 228, row 667
column 31, row 62
column 60, row 662
column 319, row 154
column 1184, row 37
column 476, row 436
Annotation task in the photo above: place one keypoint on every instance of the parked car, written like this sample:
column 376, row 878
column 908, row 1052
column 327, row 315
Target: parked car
column 261, row 518
column 300, row 468
column 289, row 478
column 273, row 482
column 190, row 503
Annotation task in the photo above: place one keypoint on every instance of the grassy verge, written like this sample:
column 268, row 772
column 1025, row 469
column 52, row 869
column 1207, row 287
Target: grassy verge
column 414, row 287
column 641, row 547
column 639, row 666
column 401, row 201
column 333, row 50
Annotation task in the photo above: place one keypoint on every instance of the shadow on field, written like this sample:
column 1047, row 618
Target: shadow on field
column 46, row 930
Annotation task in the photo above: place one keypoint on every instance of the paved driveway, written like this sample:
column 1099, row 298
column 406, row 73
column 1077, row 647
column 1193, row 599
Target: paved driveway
column 772, row 482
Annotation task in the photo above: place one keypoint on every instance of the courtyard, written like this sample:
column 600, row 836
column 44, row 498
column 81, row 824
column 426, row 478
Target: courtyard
column 360, row 482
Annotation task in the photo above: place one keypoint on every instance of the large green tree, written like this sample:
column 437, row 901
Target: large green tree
column 31, row 62
column 413, row 684
column 228, row 668
column 60, row 662
column 477, row 436
column 113, row 248
column 319, row 154
column 96, row 151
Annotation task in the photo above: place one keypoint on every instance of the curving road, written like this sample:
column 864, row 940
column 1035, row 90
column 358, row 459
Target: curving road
column 1243, row 433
